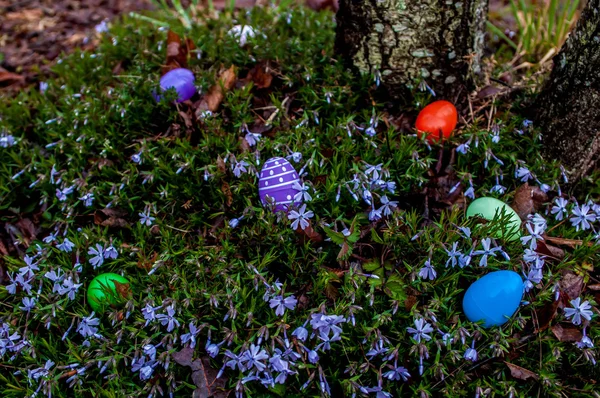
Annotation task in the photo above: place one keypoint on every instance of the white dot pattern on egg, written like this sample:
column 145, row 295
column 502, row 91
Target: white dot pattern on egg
column 277, row 179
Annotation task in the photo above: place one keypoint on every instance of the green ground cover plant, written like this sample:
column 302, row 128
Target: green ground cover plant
column 357, row 293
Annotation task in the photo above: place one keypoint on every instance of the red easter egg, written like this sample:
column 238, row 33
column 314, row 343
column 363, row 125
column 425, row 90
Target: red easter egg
column 437, row 120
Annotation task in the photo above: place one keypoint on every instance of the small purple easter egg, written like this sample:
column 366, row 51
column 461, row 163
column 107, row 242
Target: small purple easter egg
column 182, row 80
column 276, row 184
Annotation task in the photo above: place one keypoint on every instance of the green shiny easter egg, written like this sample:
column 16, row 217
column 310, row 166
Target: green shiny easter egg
column 490, row 208
column 105, row 290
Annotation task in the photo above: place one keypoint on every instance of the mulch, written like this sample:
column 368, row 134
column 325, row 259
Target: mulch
column 34, row 33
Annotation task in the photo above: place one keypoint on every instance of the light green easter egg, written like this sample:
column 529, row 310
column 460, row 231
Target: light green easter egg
column 106, row 290
column 490, row 208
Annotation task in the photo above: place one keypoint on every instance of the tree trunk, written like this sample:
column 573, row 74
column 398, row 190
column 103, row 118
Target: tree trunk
column 409, row 41
column 568, row 108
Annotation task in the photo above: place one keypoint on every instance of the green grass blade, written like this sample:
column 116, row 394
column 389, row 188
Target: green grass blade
column 497, row 31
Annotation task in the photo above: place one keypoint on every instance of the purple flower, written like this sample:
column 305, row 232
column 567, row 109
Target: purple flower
column 149, row 313
column 28, row 303
column 67, row 246
column 471, row 353
column 585, row 341
column 252, row 138
column 87, row 199
column 70, row 288
column 523, row 174
column 302, row 194
column 535, row 234
column 533, row 278
column 579, row 310
column 168, row 319
column 378, row 349
column 97, row 254
column 191, row 336
column 111, row 252
column 487, row 251
column 87, row 326
column 146, row 219
column 240, row 167
column 428, row 272
column 583, row 216
column 300, row 333
column 325, row 324
column 300, row 217
column 453, row 255
column 420, row 330
column 253, row 357
column 397, row 373
column 212, row 349
column 280, row 304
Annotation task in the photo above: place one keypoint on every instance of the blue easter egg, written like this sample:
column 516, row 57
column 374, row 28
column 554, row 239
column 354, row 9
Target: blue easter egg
column 494, row 298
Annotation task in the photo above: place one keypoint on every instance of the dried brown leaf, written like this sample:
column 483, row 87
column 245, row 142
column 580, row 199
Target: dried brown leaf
column 216, row 93
column 323, row 5
column 595, row 287
column 122, row 289
column 111, row 218
column 528, row 200
column 544, row 315
column 572, row 243
column 221, row 164
column 547, row 250
column 490, row 91
column 260, row 76
column 28, row 230
column 177, row 52
column 203, row 375
column 309, row 233
column 8, row 78
column 331, row 291
column 571, row 284
column 521, row 373
column 566, row 334
column 227, row 192
column 343, row 252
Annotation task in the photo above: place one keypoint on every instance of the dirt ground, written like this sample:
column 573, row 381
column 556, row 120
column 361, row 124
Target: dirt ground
column 33, row 33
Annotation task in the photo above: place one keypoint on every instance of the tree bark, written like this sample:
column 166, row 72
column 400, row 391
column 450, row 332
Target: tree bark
column 408, row 41
column 568, row 108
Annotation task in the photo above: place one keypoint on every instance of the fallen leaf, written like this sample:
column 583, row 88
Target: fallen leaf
column 595, row 287
column 216, row 94
column 28, row 230
column 528, row 200
column 319, row 5
column 260, row 76
column 187, row 118
column 331, row 291
column 410, row 302
column 177, row 52
column 203, row 375
column 572, row 243
column 545, row 314
column 227, row 192
column 490, row 91
column 221, row 164
column 111, row 217
column 566, row 334
column 571, row 284
column 8, row 78
column 122, row 289
column 521, row 373
column 547, row 250
column 310, row 233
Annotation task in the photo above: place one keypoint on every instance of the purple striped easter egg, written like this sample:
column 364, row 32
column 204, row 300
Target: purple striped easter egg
column 276, row 184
